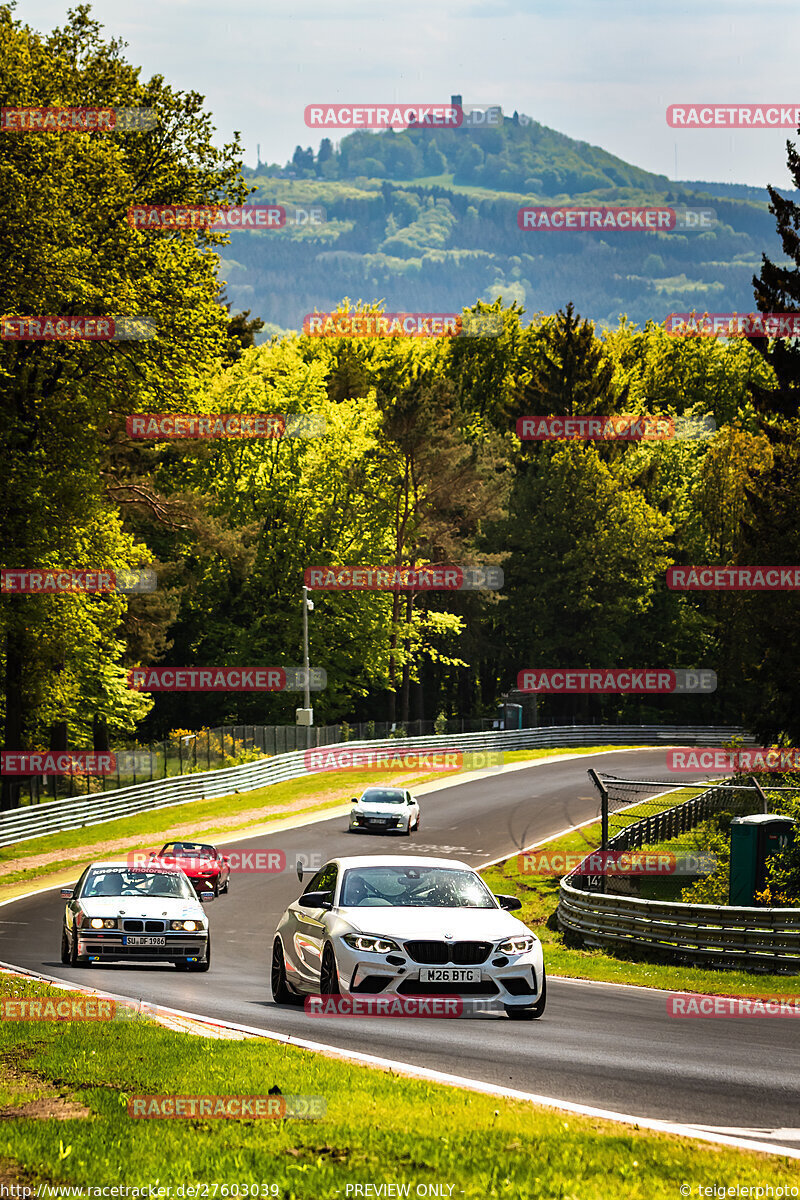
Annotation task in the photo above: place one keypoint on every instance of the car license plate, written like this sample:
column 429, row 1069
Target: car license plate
column 449, row 975
column 144, row 941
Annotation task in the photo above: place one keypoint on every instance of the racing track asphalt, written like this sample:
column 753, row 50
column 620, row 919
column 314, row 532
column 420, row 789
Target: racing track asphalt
column 603, row 1045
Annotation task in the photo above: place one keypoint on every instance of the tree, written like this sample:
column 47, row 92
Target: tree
column 63, row 210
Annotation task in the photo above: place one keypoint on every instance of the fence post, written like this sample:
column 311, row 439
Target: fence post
column 760, row 791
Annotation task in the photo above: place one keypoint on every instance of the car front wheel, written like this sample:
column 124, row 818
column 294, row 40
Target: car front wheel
column 64, row 945
column 329, row 975
column 529, row 1014
column 76, row 960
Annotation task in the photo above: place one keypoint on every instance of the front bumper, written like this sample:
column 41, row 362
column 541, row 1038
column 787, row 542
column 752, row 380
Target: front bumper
column 515, row 981
column 378, row 824
column 109, row 946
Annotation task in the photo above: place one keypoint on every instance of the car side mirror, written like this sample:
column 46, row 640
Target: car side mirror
column 509, row 903
column 226, row 860
column 354, row 799
column 68, row 893
column 298, row 866
column 316, row 900
column 207, row 897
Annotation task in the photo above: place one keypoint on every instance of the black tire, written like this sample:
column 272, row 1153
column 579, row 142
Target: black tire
column 529, row 1014
column 74, row 959
column 328, row 973
column 224, row 891
column 64, row 946
column 206, row 963
column 281, row 992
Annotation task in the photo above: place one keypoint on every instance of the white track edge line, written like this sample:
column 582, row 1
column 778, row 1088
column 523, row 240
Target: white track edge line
column 475, row 1085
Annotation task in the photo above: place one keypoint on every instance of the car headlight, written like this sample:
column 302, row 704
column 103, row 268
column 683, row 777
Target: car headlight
column 190, row 926
column 371, row 944
column 103, row 923
column 517, row 945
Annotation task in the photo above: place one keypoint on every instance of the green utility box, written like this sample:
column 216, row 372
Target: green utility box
column 753, row 839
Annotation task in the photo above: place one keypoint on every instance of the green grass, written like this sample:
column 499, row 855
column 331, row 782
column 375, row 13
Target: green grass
column 314, row 793
column 539, row 896
column 379, row 1127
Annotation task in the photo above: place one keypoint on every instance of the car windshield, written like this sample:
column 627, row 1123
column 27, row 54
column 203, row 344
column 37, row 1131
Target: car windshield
column 186, row 850
column 379, row 796
column 414, row 887
column 118, row 881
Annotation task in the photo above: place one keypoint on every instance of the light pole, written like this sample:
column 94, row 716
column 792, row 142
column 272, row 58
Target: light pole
column 305, row 715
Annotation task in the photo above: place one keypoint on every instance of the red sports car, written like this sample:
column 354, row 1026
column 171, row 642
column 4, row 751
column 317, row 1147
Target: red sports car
column 208, row 870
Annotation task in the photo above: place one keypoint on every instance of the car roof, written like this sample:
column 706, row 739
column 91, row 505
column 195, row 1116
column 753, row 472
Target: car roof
column 398, row 860
column 127, row 866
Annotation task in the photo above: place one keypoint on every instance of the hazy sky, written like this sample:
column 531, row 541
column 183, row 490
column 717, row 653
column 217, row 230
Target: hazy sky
column 602, row 71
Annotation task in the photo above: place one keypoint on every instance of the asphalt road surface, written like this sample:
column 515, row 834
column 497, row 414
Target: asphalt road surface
column 598, row 1044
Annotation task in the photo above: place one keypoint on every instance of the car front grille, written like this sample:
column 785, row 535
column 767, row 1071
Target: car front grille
column 143, row 926
column 463, row 953
column 109, row 950
column 413, row 987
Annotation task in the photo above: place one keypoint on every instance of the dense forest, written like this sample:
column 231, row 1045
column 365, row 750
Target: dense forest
column 419, row 461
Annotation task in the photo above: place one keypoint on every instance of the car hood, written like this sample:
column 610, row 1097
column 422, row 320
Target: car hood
column 432, row 924
column 141, row 906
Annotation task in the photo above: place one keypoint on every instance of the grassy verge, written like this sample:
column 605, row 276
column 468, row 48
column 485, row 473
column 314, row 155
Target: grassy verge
column 49, row 859
column 379, row 1127
column 539, row 896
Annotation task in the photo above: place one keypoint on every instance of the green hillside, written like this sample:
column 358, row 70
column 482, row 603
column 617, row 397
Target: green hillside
column 427, row 221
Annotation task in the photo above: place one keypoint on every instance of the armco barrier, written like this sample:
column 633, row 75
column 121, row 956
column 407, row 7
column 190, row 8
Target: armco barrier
column 765, row 938
column 756, row 938
column 22, row 824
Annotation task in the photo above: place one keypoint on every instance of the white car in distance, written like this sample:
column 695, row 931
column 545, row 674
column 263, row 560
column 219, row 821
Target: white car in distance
column 398, row 925
column 384, row 810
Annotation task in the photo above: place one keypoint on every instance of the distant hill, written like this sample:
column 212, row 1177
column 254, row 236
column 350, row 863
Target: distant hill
column 427, row 221
column 518, row 156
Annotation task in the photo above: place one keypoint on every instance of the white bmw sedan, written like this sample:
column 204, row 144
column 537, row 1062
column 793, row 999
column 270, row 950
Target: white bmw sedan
column 119, row 912
column 406, row 926
column 384, row 810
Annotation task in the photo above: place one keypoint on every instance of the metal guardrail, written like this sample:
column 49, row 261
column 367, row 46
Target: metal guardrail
column 760, row 938
column 23, row 824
